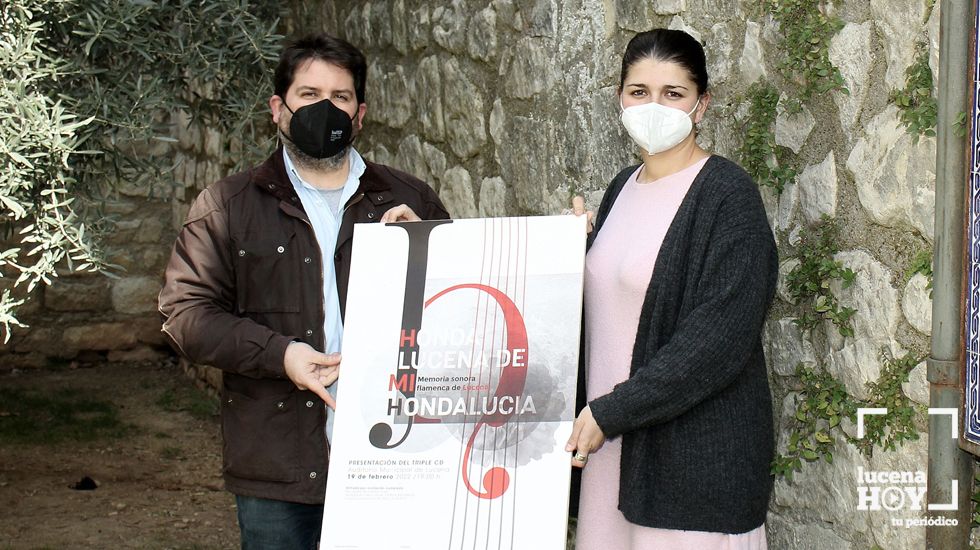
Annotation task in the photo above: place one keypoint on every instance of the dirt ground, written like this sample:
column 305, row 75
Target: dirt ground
column 159, row 484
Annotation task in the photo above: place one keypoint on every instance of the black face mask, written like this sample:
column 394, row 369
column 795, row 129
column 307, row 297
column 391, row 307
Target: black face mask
column 321, row 130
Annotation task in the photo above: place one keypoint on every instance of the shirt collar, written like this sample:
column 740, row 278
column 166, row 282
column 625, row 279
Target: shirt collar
column 357, row 167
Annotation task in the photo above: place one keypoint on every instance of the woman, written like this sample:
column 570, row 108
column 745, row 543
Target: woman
column 680, row 271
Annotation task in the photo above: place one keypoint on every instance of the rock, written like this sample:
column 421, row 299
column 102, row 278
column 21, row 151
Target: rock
column 100, row 336
column 382, row 155
column 781, row 288
column 799, row 534
column 527, row 169
column 507, row 14
column 436, row 162
column 381, row 110
column 86, row 294
column 147, row 331
column 911, row 456
column 895, row 179
column 456, row 192
column 857, row 360
column 430, row 110
column 792, row 129
column 418, row 31
column 399, row 27
column 482, row 38
column 150, row 230
column 752, row 64
column 933, row 27
column 146, row 259
column 449, row 29
column 120, row 207
column 355, row 25
column 139, row 354
column 917, row 304
column 531, row 68
column 608, row 144
column 669, row 7
column 677, row 24
column 397, row 87
column 632, row 15
column 497, row 122
column 369, row 35
column 823, row 491
column 818, row 189
column 41, row 339
column 786, row 347
column 719, row 55
column 540, row 19
column 136, row 188
column 902, row 22
column 493, row 192
column 381, row 20
column 135, row 294
column 410, row 159
column 178, row 214
column 917, row 388
column 850, row 51
column 188, row 135
column 464, row 112
column 789, row 199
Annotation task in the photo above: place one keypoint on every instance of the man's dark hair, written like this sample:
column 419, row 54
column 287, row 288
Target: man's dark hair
column 667, row 45
column 325, row 48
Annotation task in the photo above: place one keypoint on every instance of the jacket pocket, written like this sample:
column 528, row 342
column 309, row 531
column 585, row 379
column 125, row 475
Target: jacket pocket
column 261, row 441
column 267, row 273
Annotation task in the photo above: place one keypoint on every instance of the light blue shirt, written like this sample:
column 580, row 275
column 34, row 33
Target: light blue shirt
column 326, row 226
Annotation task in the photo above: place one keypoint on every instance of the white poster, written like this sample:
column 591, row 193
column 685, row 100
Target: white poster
column 457, row 386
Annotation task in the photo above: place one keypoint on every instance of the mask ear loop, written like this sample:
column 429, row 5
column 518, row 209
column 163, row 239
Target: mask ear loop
column 281, row 133
column 696, row 105
column 693, row 123
column 353, row 136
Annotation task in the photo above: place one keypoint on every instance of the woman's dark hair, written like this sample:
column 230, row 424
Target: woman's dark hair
column 667, row 45
column 325, row 48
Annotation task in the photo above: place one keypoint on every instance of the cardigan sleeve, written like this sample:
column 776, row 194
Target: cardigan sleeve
column 714, row 341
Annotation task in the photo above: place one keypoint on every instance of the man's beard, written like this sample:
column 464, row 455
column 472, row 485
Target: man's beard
column 302, row 160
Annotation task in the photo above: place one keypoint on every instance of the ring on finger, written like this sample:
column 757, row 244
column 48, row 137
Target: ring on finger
column 583, row 458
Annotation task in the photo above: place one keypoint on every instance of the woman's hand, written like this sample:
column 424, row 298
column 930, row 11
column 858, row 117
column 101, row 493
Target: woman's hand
column 586, row 438
column 578, row 208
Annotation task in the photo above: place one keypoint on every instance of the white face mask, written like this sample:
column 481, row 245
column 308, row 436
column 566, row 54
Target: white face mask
column 655, row 127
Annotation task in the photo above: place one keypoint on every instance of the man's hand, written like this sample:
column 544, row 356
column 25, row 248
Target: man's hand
column 400, row 213
column 586, row 438
column 311, row 370
column 578, row 208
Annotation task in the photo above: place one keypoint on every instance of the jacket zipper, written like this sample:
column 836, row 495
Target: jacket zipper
column 354, row 200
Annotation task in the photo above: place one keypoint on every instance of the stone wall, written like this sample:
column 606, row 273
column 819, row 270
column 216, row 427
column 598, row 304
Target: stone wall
column 83, row 318
column 508, row 107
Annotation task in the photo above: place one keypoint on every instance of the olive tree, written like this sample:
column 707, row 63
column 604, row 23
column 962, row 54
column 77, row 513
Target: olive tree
column 89, row 92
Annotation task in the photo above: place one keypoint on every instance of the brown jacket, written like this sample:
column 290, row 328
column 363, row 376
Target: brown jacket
column 244, row 280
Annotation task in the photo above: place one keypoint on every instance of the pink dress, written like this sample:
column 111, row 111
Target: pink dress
column 617, row 273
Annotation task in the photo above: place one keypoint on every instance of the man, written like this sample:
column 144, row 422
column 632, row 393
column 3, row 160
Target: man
column 257, row 283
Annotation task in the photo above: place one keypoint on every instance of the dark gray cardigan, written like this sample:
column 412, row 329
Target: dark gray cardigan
column 696, row 412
